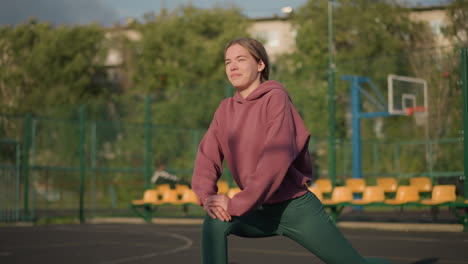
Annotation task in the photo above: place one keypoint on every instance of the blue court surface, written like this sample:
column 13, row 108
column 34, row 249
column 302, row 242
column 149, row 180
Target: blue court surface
column 174, row 244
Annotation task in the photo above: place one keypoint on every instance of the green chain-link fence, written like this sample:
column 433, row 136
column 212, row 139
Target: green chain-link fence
column 93, row 160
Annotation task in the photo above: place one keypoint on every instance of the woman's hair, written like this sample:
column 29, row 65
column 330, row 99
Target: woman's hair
column 257, row 51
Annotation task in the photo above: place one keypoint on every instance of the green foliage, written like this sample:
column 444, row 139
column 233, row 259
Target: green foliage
column 176, row 59
column 43, row 66
column 372, row 39
column 179, row 61
column 369, row 39
column 457, row 29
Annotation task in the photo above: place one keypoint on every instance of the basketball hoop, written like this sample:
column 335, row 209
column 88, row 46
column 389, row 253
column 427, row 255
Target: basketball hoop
column 419, row 113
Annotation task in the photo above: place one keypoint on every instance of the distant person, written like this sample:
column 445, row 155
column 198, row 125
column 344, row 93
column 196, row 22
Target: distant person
column 162, row 173
column 265, row 144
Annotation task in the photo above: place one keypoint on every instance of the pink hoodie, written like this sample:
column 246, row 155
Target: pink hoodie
column 265, row 144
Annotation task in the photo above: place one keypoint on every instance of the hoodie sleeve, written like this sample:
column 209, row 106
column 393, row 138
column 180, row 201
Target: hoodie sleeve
column 280, row 149
column 208, row 164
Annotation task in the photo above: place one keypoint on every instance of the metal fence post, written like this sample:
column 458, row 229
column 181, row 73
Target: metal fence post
column 396, row 155
column 431, row 161
column 148, row 143
column 375, row 160
column 82, row 161
column 93, row 167
column 17, row 174
column 27, row 141
column 464, row 76
column 331, row 99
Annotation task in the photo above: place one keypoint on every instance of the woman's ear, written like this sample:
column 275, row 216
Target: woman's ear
column 261, row 66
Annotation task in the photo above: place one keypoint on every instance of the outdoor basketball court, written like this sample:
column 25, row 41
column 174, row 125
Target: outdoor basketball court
column 151, row 243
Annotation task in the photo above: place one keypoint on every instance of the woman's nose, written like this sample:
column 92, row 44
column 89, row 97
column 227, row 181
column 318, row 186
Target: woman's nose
column 233, row 66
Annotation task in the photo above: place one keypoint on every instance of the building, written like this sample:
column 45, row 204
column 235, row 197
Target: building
column 436, row 18
column 276, row 33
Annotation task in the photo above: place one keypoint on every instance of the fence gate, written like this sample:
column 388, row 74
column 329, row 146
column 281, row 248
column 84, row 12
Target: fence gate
column 9, row 181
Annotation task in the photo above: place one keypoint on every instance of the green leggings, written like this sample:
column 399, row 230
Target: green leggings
column 302, row 219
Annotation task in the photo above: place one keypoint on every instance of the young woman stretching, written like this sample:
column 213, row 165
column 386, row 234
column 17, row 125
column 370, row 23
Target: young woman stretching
column 265, row 144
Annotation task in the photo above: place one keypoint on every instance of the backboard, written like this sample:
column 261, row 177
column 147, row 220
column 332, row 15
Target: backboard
column 406, row 95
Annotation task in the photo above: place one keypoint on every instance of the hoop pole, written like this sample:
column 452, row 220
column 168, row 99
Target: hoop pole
column 356, row 116
column 464, row 79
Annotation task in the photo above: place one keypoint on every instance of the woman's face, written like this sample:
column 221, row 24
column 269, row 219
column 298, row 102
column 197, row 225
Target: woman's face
column 241, row 68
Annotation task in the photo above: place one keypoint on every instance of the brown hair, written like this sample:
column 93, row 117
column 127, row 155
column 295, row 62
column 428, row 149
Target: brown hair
column 257, row 51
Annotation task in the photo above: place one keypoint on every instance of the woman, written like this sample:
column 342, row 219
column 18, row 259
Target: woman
column 265, row 144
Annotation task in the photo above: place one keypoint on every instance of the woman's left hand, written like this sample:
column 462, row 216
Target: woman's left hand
column 219, row 200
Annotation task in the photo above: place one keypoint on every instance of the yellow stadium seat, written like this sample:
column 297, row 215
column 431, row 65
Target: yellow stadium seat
column 340, row 194
column 223, row 187
column 371, row 194
column 324, row 185
column 181, row 188
column 423, row 184
column 189, row 197
column 163, row 187
column 356, row 185
column 232, row 192
column 169, row 196
column 404, row 194
column 441, row 194
column 149, row 196
column 388, row 184
column 315, row 190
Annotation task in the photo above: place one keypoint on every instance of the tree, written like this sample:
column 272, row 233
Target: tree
column 457, row 29
column 369, row 40
column 44, row 66
column 179, row 62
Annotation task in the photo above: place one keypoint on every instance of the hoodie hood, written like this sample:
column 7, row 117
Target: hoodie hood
column 261, row 90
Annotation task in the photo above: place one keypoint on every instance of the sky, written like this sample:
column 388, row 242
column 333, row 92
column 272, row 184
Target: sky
column 109, row 12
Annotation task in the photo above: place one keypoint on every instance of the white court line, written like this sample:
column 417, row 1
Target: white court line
column 187, row 245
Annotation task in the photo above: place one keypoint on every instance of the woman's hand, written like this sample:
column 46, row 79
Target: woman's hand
column 216, row 207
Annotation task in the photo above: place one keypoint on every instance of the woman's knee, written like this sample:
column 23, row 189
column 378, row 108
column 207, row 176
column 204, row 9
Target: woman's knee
column 216, row 226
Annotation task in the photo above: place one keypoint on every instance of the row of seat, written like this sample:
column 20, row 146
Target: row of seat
column 376, row 195
column 163, row 194
column 388, row 184
column 223, row 187
column 440, row 195
column 181, row 194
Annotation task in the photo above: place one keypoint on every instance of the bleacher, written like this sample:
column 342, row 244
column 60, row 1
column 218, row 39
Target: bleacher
column 386, row 192
column 163, row 194
column 354, row 192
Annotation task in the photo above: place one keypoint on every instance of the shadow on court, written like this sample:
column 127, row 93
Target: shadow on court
column 151, row 243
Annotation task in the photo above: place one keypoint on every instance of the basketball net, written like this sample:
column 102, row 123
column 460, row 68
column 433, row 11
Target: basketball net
column 419, row 113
